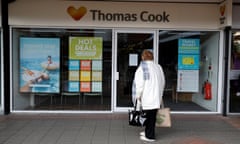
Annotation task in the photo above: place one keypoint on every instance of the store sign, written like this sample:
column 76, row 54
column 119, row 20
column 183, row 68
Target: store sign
column 222, row 11
column 99, row 15
column 114, row 14
column 76, row 14
column 225, row 13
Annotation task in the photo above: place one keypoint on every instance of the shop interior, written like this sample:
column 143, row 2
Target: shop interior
column 134, row 43
column 235, row 74
column 168, row 59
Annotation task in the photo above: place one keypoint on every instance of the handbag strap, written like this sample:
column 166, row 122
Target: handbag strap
column 135, row 106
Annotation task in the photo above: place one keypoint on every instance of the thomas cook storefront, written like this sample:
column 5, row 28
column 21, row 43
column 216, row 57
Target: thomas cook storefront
column 234, row 64
column 72, row 56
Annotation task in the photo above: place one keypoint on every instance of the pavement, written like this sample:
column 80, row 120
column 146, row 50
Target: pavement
column 113, row 128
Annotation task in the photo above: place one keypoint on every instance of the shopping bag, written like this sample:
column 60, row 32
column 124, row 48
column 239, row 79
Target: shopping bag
column 136, row 117
column 163, row 118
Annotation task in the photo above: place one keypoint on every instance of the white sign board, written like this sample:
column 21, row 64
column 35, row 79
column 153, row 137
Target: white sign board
column 188, row 81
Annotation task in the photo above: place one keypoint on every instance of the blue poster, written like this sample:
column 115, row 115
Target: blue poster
column 39, row 65
column 188, row 65
column 73, row 87
column 188, row 62
column 188, row 46
column 74, row 64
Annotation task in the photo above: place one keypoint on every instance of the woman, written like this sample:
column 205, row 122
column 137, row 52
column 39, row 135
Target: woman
column 148, row 86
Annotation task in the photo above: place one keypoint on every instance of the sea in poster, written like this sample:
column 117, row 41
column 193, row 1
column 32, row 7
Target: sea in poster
column 37, row 75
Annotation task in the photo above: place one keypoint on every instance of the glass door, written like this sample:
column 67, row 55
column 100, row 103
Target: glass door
column 129, row 46
column 234, row 81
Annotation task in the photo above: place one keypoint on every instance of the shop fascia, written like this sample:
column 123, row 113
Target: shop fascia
column 144, row 16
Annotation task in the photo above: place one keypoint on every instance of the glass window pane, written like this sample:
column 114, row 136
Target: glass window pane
column 129, row 49
column 189, row 65
column 234, row 101
column 77, row 67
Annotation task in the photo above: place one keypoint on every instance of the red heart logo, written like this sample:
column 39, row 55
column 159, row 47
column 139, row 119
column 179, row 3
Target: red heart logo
column 76, row 14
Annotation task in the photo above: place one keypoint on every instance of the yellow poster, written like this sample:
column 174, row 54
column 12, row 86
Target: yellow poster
column 85, row 75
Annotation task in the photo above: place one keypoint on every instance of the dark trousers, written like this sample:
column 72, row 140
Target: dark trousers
column 150, row 123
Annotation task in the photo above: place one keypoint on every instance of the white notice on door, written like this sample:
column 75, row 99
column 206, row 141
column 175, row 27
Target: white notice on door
column 188, row 81
column 133, row 59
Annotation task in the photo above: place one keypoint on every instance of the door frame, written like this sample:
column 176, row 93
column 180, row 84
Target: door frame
column 115, row 74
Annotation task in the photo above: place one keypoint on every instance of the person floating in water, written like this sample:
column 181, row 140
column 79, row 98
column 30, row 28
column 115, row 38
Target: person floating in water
column 49, row 64
column 34, row 76
column 49, row 58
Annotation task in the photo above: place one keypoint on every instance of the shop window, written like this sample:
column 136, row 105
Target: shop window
column 234, row 100
column 190, row 59
column 61, row 69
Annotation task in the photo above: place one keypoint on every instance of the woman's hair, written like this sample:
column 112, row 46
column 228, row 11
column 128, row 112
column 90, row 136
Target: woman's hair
column 147, row 55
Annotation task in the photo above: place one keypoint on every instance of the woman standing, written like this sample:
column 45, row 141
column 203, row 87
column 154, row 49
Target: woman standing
column 148, row 87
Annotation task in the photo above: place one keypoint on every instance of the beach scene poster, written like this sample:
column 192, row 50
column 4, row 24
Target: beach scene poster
column 39, row 65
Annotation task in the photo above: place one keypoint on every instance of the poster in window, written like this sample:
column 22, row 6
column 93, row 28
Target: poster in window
column 85, row 65
column 96, row 75
column 96, row 65
column 96, row 86
column 188, row 46
column 85, row 48
column 73, row 86
column 74, row 65
column 74, row 75
column 85, row 87
column 85, row 75
column 39, row 65
column 188, row 65
column 188, row 62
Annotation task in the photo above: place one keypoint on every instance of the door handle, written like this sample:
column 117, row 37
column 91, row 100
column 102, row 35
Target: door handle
column 117, row 76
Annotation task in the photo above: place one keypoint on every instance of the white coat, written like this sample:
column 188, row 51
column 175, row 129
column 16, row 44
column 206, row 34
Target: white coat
column 148, row 85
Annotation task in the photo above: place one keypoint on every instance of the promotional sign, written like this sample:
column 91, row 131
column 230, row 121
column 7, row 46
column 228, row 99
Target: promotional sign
column 85, row 64
column 85, row 87
column 188, row 46
column 39, row 65
column 188, row 62
column 73, row 75
column 73, row 64
column 188, row 65
column 73, row 86
column 97, row 65
column 85, row 48
column 96, row 86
